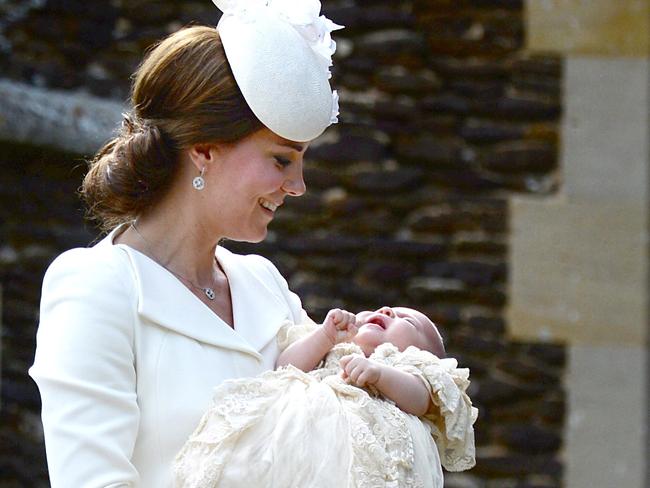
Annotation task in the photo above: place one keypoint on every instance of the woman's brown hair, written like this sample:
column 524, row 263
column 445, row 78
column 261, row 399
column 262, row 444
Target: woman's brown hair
column 182, row 94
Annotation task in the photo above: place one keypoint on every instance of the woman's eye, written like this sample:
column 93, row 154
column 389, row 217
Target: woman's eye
column 282, row 161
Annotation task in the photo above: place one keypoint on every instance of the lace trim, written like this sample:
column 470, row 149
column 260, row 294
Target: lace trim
column 452, row 417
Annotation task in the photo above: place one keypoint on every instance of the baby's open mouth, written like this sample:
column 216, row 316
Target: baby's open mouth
column 377, row 320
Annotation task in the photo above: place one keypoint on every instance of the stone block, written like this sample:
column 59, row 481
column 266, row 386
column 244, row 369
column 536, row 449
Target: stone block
column 488, row 324
column 520, row 157
column 552, row 355
column 406, row 249
column 380, row 182
column 597, row 27
column 517, row 465
column 332, row 244
column 529, row 438
column 502, row 389
column 474, row 68
column 559, row 291
column 367, row 295
column 488, row 131
column 521, row 410
column 553, row 410
column 520, row 106
column 430, row 149
column 470, row 342
column 608, row 413
column 472, row 273
column 320, row 178
column 527, row 370
column 390, row 42
column 383, row 17
column 401, row 108
column 606, row 141
column 545, row 65
column 479, row 243
column 478, row 90
column 439, row 219
column 397, row 79
column 447, row 102
column 427, row 289
column 473, row 33
column 390, row 274
column 349, row 148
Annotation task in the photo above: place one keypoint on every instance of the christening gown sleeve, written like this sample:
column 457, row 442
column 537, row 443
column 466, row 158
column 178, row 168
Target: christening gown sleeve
column 451, row 416
column 84, row 368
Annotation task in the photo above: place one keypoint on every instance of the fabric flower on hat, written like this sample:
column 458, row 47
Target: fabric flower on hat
column 303, row 15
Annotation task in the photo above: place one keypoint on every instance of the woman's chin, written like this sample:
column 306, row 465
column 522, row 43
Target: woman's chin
column 251, row 237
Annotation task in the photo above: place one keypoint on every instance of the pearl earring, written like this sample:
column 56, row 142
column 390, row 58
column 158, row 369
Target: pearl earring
column 199, row 183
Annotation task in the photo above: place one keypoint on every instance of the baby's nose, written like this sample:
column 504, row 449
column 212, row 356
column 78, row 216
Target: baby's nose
column 387, row 311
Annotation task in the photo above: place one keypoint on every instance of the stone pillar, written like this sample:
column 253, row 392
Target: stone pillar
column 579, row 264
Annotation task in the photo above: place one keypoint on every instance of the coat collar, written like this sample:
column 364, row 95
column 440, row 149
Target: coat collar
column 258, row 308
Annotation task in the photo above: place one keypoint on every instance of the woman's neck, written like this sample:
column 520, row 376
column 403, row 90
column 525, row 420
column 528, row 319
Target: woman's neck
column 173, row 236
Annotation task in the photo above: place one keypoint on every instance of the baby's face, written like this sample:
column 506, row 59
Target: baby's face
column 400, row 326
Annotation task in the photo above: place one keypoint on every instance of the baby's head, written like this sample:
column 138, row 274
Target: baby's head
column 400, row 326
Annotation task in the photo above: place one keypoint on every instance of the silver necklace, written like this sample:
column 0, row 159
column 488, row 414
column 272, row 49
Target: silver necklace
column 208, row 291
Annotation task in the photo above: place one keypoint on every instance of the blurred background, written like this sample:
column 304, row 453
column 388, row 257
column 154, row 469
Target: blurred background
column 490, row 168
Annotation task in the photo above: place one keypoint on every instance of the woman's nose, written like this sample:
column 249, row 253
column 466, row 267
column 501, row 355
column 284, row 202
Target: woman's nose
column 294, row 185
column 387, row 311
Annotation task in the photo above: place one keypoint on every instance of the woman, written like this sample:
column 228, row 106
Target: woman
column 136, row 331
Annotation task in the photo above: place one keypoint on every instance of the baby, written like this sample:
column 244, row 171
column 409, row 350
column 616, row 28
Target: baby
column 399, row 326
column 359, row 401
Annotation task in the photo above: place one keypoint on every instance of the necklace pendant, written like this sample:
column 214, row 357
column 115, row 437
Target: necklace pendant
column 209, row 292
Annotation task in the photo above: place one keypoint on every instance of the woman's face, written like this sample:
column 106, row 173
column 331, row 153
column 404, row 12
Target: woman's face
column 251, row 178
column 402, row 327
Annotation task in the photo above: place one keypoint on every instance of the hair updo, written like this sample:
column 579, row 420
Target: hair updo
column 182, row 94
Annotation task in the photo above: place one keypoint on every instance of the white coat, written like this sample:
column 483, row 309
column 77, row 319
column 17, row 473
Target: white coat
column 127, row 358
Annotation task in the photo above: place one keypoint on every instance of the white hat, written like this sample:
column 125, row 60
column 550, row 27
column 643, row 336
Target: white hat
column 280, row 52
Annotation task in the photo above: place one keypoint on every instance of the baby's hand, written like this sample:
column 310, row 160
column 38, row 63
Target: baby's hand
column 339, row 325
column 359, row 370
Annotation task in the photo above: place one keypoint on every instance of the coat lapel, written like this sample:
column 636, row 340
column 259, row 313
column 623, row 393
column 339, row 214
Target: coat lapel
column 259, row 310
column 167, row 302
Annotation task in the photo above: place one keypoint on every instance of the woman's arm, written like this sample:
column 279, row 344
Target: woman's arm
column 307, row 352
column 405, row 389
column 85, row 371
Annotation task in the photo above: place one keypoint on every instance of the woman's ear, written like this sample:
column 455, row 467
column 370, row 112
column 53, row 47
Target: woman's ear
column 203, row 155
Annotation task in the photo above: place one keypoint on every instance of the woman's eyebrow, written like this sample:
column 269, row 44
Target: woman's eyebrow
column 293, row 145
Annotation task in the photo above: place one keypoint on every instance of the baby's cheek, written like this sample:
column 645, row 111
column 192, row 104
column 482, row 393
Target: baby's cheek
column 405, row 338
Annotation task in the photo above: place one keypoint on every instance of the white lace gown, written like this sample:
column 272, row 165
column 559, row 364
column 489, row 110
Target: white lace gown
column 290, row 429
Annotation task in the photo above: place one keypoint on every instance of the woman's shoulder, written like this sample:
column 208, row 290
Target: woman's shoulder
column 99, row 265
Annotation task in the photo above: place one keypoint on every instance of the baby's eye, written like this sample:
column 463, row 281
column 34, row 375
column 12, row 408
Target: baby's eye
column 282, row 161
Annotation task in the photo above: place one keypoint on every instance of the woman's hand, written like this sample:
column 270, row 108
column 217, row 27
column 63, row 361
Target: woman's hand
column 339, row 325
column 360, row 371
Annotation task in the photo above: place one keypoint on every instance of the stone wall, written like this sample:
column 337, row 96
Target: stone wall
column 443, row 117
